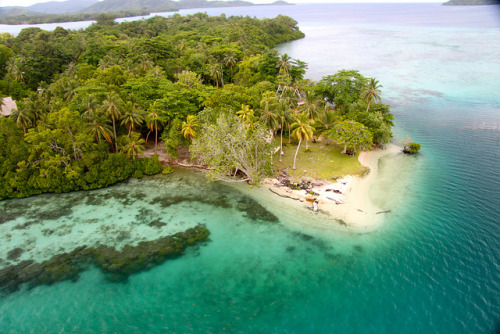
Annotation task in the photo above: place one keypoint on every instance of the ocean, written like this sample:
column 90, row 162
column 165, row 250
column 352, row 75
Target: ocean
column 432, row 267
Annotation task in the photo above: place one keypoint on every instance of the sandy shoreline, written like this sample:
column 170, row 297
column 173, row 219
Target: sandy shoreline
column 357, row 211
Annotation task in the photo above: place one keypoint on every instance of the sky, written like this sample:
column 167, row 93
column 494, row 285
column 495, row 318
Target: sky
column 25, row 3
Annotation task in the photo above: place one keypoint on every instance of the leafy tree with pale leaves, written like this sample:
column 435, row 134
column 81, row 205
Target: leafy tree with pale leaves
column 228, row 147
column 352, row 135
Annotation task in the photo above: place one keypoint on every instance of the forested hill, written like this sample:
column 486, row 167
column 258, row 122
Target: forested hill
column 158, row 5
column 80, row 10
column 471, row 2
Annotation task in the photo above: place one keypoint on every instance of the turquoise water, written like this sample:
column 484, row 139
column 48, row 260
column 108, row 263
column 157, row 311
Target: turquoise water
column 433, row 267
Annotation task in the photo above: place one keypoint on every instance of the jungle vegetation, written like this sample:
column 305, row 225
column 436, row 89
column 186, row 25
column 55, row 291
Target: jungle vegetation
column 89, row 100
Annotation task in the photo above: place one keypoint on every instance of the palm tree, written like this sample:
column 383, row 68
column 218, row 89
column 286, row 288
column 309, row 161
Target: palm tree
column 112, row 108
column 14, row 70
column 145, row 64
column 91, row 105
column 311, row 105
column 285, row 64
column 251, row 120
column 152, row 121
column 230, row 60
column 22, row 117
column 268, row 116
column 190, row 127
column 69, row 88
column 34, row 106
column 106, row 62
column 98, row 128
column 371, row 92
column 132, row 116
column 245, row 113
column 70, row 70
column 326, row 121
column 301, row 129
column 215, row 73
column 284, row 117
column 132, row 145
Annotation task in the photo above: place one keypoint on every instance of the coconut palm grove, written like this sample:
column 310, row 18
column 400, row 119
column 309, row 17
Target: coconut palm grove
column 89, row 102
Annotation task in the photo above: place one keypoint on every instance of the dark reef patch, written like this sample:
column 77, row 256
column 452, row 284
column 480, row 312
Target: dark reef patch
column 144, row 216
column 118, row 265
column 157, row 223
column 15, row 253
column 305, row 237
column 10, row 211
column 358, row 248
column 53, row 212
column 25, row 225
column 220, row 201
column 100, row 197
column 254, row 211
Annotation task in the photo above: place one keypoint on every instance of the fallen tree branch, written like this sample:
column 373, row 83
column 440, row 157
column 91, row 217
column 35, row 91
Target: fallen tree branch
column 284, row 196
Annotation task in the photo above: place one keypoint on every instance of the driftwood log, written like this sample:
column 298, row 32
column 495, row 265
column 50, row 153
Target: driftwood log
column 284, row 196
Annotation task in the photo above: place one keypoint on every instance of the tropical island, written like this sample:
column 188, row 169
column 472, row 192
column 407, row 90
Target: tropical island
column 89, row 101
column 82, row 109
column 87, row 10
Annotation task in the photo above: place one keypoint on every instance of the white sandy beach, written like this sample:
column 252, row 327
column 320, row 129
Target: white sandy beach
column 357, row 211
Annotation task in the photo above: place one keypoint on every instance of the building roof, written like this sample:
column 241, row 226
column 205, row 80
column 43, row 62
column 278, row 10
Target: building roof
column 7, row 106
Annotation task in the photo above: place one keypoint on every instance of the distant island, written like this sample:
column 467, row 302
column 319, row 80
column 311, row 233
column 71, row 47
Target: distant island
column 85, row 10
column 471, row 2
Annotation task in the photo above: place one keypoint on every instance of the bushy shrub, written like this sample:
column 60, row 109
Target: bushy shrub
column 167, row 170
column 150, row 166
column 412, row 148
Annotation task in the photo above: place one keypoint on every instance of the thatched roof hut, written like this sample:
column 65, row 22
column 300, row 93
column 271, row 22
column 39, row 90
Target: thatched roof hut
column 8, row 104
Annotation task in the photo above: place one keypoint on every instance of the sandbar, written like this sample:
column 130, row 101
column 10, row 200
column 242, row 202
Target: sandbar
column 350, row 207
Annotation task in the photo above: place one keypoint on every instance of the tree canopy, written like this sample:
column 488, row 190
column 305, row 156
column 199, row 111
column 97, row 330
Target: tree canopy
column 89, row 100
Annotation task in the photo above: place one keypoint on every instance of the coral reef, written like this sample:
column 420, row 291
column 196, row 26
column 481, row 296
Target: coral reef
column 118, row 265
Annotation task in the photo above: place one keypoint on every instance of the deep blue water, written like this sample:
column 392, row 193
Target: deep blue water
column 433, row 267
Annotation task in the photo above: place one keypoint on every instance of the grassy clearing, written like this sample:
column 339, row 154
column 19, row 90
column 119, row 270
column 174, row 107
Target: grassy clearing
column 321, row 161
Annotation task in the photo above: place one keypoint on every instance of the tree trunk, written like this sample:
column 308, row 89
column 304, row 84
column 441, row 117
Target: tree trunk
column 147, row 136
column 272, row 169
column 295, row 158
column 345, row 150
column 156, row 138
column 368, row 106
column 281, row 143
column 114, row 132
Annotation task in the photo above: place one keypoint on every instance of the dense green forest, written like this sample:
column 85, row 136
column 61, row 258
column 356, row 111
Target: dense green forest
column 33, row 18
column 89, row 100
